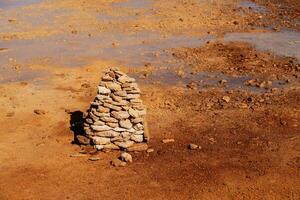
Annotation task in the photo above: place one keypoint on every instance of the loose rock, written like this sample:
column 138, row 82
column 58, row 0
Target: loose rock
column 118, row 163
column 126, row 157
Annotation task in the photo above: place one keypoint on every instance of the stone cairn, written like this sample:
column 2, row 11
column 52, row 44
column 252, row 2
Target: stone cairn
column 115, row 119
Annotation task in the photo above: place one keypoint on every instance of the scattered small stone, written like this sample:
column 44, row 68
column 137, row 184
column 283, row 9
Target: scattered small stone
column 150, row 150
column 126, row 157
column 11, row 114
column 78, row 155
column 226, row 99
column 94, row 158
column 193, row 146
column 83, row 140
column 39, row 112
column 138, row 147
column 165, row 141
column 118, row 163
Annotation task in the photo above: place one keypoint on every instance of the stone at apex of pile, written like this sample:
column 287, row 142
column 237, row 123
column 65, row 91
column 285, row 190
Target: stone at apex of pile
column 116, row 118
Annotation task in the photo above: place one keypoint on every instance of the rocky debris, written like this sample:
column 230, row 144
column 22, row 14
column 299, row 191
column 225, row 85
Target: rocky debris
column 118, row 163
column 126, row 157
column 116, row 117
column 226, row 99
column 82, row 140
column 39, row 112
column 94, row 158
column 165, row 141
column 11, row 114
column 78, row 155
column 138, row 147
column 194, row 146
column 150, row 150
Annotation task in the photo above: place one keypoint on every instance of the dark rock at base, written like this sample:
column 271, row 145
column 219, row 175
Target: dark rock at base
column 82, row 140
column 138, row 147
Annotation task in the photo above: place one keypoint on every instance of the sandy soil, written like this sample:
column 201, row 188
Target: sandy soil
column 249, row 137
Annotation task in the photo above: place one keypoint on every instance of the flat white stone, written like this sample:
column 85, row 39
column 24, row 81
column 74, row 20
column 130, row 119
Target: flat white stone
column 101, row 128
column 103, row 90
column 101, row 140
column 137, row 138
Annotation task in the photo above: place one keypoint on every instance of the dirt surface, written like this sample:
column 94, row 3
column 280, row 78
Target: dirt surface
column 238, row 101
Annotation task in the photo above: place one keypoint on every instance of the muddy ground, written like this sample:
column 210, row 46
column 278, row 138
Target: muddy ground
column 220, row 74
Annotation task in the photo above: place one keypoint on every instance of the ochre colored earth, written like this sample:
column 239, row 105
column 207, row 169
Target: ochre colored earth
column 250, row 142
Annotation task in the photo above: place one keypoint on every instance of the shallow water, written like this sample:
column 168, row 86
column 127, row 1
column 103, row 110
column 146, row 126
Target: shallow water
column 6, row 4
column 129, row 49
column 136, row 4
column 253, row 6
column 285, row 43
column 205, row 80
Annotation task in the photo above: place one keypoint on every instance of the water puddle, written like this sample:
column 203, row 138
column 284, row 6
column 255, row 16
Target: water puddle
column 206, row 80
column 129, row 49
column 252, row 7
column 10, row 75
column 135, row 4
column 7, row 4
column 285, row 43
column 109, row 18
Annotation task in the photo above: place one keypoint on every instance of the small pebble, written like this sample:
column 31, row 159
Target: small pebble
column 165, row 141
column 150, row 150
column 118, row 163
column 126, row 157
column 94, row 158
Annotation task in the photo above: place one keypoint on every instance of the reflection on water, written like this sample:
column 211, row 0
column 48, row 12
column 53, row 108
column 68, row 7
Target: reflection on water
column 252, row 6
column 285, row 43
column 5, row 4
column 140, row 4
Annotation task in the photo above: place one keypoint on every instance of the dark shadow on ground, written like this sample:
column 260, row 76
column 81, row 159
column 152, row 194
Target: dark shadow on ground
column 76, row 125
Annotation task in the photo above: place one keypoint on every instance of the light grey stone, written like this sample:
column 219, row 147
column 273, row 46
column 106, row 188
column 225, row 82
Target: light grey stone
column 102, row 109
column 137, row 120
column 101, row 128
column 113, row 86
column 125, row 124
column 133, row 113
column 138, row 147
column 99, row 123
column 138, row 127
column 109, row 119
column 113, row 125
column 121, row 103
column 89, row 121
column 103, row 90
column 108, row 134
column 113, row 107
column 118, row 163
column 120, row 114
column 133, row 96
column 121, row 93
column 101, row 140
column 99, row 147
column 137, row 138
column 119, row 129
column 125, row 79
column 99, row 114
column 111, row 146
column 126, row 157
column 139, row 132
column 116, row 98
column 106, row 77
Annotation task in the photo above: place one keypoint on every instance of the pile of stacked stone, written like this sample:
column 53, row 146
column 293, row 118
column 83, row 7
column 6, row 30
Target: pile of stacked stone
column 115, row 119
